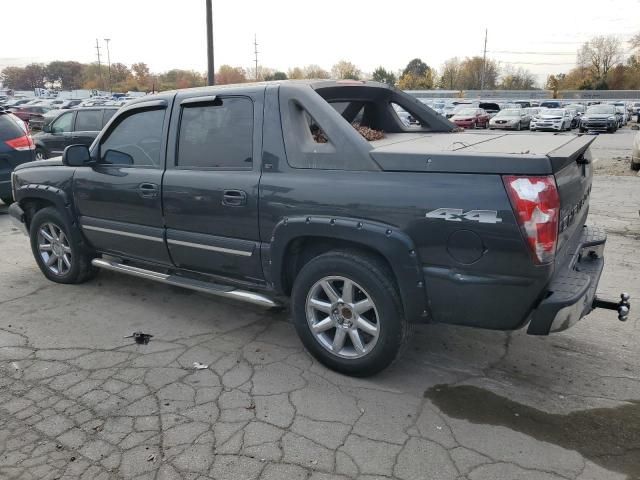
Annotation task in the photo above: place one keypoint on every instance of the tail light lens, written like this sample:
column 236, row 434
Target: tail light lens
column 21, row 143
column 536, row 203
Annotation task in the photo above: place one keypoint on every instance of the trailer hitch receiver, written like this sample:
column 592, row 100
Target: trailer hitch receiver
column 622, row 307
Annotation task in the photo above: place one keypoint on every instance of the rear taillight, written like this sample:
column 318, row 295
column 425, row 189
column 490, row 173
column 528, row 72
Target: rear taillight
column 536, row 204
column 21, row 143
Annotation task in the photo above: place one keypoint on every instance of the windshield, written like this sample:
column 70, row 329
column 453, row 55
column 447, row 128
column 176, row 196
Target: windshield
column 466, row 111
column 510, row 112
column 601, row 109
column 554, row 111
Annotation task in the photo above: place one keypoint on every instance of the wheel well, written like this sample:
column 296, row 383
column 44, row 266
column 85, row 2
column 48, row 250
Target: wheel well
column 31, row 206
column 303, row 249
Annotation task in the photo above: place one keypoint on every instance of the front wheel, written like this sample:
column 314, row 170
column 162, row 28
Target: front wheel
column 519, row 127
column 348, row 313
column 58, row 250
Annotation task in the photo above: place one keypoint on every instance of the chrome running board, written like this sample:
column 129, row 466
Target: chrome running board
column 192, row 284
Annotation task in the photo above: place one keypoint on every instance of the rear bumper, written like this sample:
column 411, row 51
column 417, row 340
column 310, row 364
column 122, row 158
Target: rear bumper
column 572, row 289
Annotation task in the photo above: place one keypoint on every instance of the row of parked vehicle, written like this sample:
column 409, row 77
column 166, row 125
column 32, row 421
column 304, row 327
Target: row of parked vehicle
column 549, row 115
column 37, row 112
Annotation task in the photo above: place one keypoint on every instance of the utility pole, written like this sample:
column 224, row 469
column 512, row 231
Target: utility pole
column 211, row 76
column 255, row 51
column 109, row 63
column 99, row 64
column 484, row 62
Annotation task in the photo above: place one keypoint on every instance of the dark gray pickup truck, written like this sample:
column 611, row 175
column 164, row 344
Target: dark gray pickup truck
column 260, row 192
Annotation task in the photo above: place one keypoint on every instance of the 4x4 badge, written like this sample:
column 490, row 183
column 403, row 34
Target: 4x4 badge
column 458, row 215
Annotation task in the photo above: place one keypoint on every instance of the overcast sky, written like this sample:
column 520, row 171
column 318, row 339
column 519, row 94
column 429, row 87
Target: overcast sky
column 541, row 36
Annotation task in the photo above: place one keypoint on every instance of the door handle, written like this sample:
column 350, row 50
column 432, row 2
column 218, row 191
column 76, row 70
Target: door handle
column 234, row 198
column 148, row 190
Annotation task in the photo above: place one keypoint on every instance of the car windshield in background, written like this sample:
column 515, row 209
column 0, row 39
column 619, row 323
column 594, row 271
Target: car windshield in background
column 466, row 111
column 554, row 111
column 601, row 109
column 509, row 112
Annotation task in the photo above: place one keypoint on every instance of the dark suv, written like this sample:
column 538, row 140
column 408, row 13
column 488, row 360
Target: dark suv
column 16, row 147
column 73, row 127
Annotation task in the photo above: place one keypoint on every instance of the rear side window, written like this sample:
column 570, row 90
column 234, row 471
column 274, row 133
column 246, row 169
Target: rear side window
column 10, row 128
column 135, row 141
column 108, row 113
column 88, row 121
column 217, row 135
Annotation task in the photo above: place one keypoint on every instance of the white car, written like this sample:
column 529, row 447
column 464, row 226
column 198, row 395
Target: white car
column 556, row 119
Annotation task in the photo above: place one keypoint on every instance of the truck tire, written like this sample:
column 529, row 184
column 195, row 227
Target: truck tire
column 348, row 312
column 7, row 200
column 57, row 248
column 635, row 166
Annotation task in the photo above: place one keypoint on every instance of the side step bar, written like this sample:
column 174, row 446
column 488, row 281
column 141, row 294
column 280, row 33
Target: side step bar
column 192, row 284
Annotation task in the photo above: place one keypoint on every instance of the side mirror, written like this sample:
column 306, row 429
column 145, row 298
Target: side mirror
column 46, row 128
column 76, row 156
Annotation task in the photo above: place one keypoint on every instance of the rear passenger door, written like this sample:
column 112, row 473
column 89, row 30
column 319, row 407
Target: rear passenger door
column 210, row 186
column 88, row 124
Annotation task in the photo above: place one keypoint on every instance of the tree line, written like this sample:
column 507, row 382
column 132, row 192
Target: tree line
column 599, row 65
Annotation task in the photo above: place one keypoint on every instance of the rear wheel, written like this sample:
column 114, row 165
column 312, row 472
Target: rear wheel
column 7, row 200
column 40, row 154
column 57, row 248
column 519, row 127
column 348, row 313
column 635, row 166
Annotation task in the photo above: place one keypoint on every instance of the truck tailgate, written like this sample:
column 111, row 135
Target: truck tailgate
column 565, row 156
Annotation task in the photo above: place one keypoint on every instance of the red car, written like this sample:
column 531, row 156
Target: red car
column 471, row 118
column 29, row 112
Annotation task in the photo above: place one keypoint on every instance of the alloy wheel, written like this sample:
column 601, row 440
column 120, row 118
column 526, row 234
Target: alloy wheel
column 54, row 249
column 342, row 317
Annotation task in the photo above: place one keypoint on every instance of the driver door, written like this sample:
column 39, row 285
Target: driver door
column 58, row 135
column 119, row 198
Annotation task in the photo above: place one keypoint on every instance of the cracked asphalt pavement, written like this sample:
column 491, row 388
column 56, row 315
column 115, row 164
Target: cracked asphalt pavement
column 77, row 400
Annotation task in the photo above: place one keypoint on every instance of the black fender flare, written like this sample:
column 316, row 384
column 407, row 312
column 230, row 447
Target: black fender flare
column 54, row 195
column 390, row 242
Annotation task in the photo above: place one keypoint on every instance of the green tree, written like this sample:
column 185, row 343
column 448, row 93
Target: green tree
column 12, row 77
column 276, row 76
column 344, row 70
column 382, row 75
column 417, row 68
column 65, row 75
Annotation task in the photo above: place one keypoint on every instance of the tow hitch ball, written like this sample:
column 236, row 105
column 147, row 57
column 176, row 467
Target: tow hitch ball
column 622, row 307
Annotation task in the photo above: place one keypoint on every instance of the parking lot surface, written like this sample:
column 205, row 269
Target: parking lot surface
column 77, row 400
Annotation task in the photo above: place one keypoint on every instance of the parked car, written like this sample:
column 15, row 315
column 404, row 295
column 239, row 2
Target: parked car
column 550, row 104
column 523, row 103
column 621, row 113
column 491, row 108
column 15, row 103
column 71, row 127
column 600, row 117
column 578, row 107
column 635, row 153
column 16, row 147
column 575, row 117
column 557, row 119
column 471, row 118
column 70, row 104
column 635, row 110
column 31, row 114
column 510, row 119
column 171, row 188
